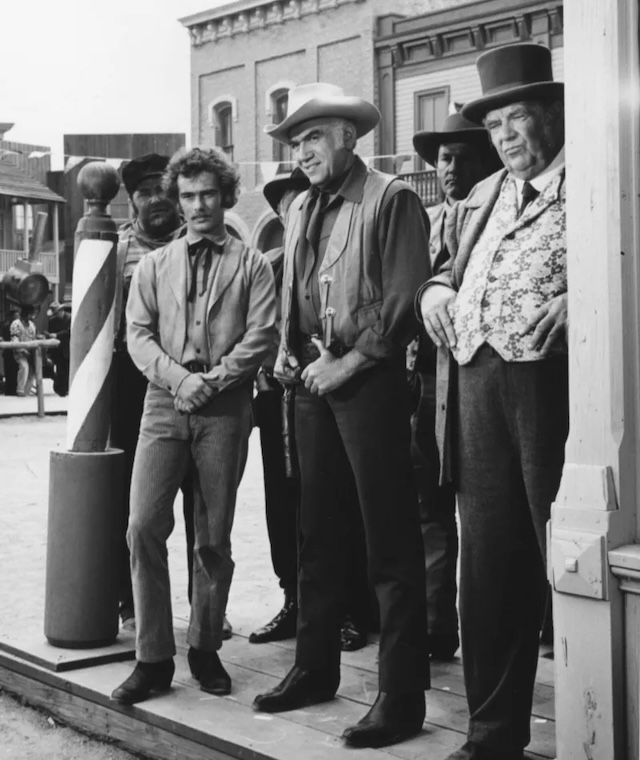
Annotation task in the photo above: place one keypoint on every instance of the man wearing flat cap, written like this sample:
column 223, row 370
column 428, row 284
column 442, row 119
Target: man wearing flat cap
column 354, row 255
column 462, row 155
column 498, row 313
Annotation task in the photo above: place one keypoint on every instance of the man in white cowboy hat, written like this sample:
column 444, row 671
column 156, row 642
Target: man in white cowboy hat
column 281, row 487
column 462, row 156
column 354, row 255
column 499, row 309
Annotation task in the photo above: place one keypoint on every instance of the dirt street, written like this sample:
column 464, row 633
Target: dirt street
column 28, row 734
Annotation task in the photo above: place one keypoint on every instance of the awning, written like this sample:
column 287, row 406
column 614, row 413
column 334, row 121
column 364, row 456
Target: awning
column 18, row 184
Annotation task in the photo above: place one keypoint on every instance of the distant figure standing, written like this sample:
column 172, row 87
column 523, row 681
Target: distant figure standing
column 23, row 328
column 59, row 327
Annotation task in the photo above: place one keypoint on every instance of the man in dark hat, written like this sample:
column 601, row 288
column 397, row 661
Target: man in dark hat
column 156, row 223
column 354, row 250
column 462, row 156
column 498, row 312
column 280, row 478
column 59, row 326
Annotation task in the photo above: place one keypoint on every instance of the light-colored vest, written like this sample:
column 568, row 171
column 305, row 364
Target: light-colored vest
column 517, row 266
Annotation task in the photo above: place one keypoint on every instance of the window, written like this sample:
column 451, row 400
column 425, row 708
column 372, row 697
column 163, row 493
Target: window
column 223, row 125
column 281, row 151
column 431, row 109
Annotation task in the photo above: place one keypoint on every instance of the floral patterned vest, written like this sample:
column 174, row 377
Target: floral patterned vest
column 517, row 266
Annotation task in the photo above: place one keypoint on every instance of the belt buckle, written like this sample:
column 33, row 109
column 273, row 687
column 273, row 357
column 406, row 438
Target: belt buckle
column 196, row 366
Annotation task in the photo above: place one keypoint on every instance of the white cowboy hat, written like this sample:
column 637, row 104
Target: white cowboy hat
column 320, row 100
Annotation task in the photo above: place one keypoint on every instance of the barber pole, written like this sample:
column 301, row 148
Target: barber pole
column 92, row 332
column 85, row 488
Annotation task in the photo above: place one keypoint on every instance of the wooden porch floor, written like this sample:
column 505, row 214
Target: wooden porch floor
column 187, row 723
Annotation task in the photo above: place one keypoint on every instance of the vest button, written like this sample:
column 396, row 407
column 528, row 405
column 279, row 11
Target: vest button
column 197, row 350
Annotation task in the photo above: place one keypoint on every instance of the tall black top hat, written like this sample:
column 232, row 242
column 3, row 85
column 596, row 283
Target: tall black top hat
column 512, row 73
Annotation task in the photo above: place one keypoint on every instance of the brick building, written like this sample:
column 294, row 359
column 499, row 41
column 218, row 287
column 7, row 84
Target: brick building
column 246, row 55
column 416, row 64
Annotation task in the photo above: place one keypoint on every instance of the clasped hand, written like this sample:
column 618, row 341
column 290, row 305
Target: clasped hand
column 193, row 393
column 326, row 373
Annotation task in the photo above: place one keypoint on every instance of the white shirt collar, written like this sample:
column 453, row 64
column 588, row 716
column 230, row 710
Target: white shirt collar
column 545, row 177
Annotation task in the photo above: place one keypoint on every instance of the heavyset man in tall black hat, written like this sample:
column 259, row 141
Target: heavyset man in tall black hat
column 462, row 155
column 354, row 255
column 498, row 310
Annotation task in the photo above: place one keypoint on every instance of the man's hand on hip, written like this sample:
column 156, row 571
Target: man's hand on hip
column 548, row 324
column 193, row 393
column 287, row 369
column 435, row 307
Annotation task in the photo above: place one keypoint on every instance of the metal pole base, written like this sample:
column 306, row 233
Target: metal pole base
column 84, row 544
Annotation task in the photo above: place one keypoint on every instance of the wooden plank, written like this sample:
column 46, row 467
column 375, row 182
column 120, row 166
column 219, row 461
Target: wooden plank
column 446, row 702
column 233, row 728
column 37, row 650
column 98, row 720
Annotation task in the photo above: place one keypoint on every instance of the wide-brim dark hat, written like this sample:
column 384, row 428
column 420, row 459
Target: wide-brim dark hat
column 321, row 100
column 274, row 190
column 142, row 167
column 456, row 129
column 512, row 73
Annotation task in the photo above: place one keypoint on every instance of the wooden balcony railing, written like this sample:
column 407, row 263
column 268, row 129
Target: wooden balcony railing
column 426, row 184
column 49, row 259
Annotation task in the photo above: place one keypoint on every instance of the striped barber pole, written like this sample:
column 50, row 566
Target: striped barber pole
column 92, row 334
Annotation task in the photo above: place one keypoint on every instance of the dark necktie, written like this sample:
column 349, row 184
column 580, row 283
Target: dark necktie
column 315, row 216
column 202, row 249
column 529, row 193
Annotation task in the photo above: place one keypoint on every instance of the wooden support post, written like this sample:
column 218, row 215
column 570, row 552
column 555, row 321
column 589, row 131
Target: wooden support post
column 37, row 361
column 595, row 509
column 56, row 250
column 25, row 237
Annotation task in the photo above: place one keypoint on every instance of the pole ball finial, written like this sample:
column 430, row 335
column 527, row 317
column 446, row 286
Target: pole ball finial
column 98, row 181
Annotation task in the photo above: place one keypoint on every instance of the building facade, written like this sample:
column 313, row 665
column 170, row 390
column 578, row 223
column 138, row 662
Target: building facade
column 247, row 55
column 425, row 65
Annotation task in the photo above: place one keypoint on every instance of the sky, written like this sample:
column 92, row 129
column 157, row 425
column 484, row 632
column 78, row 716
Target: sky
column 84, row 66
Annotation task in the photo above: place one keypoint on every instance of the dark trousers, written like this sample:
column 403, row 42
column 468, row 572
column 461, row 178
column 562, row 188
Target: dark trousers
column 129, row 387
column 364, row 426
column 512, row 424
column 280, row 492
column 437, row 505
column 281, row 505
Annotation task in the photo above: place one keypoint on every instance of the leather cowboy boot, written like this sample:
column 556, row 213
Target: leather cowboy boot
column 283, row 625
